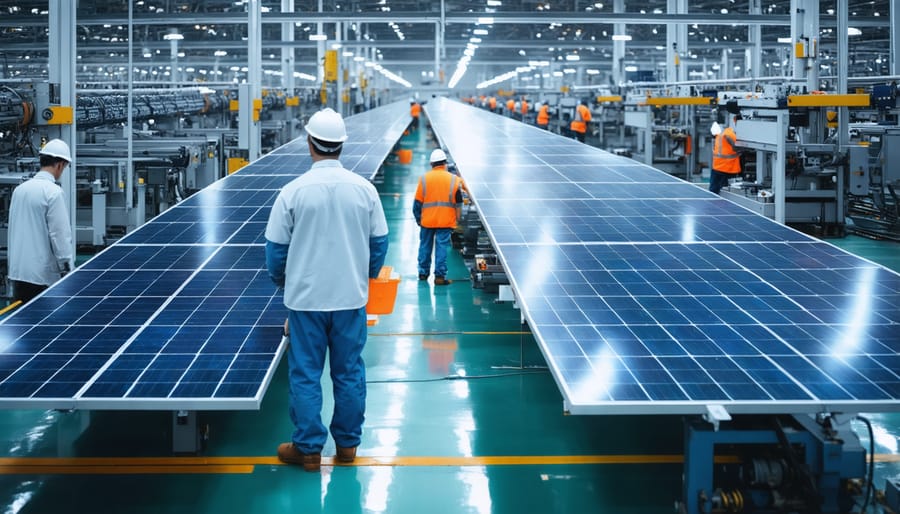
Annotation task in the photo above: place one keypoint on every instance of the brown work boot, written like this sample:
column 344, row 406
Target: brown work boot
column 289, row 454
column 346, row 455
column 441, row 281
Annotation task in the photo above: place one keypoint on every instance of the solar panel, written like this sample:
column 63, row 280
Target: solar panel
column 649, row 295
column 180, row 313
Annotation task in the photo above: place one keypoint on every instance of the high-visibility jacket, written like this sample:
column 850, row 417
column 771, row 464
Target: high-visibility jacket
column 510, row 105
column 543, row 116
column 437, row 193
column 414, row 110
column 582, row 116
column 725, row 157
column 492, row 103
column 524, row 107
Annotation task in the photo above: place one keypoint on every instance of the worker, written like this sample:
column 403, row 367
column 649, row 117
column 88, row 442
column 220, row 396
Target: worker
column 436, row 209
column 579, row 123
column 510, row 107
column 326, row 237
column 524, row 110
column 543, row 116
column 726, row 162
column 492, row 103
column 40, row 233
column 414, row 110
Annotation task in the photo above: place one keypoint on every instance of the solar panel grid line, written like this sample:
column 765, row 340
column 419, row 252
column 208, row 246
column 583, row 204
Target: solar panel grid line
column 213, row 322
column 745, row 313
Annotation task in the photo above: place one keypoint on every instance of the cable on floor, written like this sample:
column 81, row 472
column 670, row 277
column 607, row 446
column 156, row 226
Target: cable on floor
column 456, row 377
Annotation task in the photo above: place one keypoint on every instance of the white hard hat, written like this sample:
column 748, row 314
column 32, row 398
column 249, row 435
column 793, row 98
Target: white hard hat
column 327, row 125
column 57, row 148
column 716, row 129
column 437, row 155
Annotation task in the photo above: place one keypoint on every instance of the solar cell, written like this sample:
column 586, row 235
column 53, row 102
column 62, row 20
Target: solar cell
column 650, row 295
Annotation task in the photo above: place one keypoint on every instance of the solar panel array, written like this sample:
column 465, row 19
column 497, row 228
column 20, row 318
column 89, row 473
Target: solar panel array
column 647, row 294
column 180, row 313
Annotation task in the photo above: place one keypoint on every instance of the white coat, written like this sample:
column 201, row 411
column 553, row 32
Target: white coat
column 40, row 236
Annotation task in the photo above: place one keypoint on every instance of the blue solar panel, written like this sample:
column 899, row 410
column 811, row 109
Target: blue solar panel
column 651, row 295
column 179, row 314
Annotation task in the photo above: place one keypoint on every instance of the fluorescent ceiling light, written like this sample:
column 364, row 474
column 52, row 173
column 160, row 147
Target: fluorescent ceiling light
column 592, row 72
column 631, row 68
column 318, row 37
column 359, row 58
column 173, row 36
column 621, row 37
column 853, row 31
column 557, row 74
column 336, row 46
column 220, row 53
column 494, row 3
column 485, row 21
column 480, row 32
column 573, row 57
column 347, row 53
column 786, row 40
column 474, row 40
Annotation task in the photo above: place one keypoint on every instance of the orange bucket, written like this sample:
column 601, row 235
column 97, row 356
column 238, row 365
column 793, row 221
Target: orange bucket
column 405, row 156
column 382, row 292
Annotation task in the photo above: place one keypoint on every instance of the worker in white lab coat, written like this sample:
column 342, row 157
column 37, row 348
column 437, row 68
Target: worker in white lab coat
column 40, row 234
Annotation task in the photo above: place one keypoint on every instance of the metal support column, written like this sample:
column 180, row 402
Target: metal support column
column 339, row 83
column 287, row 63
column 805, row 38
column 62, row 71
column 676, row 43
column 320, row 49
column 753, row 61
column 895, row 41
column 254, row 74
column 619, row 29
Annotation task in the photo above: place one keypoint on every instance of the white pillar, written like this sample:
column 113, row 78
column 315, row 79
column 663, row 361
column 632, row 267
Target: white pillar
column 753, row 60
column 895, row 40
column 805, row 31
column 62, row 71
column 254, row 72
column 676, row 43
column 618, row 46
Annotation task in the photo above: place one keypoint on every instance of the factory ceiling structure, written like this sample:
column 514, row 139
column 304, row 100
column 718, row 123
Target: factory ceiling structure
column 430, row 43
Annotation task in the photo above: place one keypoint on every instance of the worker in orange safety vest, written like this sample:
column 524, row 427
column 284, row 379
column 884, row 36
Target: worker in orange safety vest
column 543, row 116
column 414, row 110
column 726, row 162
column 525, row 108
column 436, row 209
column 510, row 107
column 579, row 123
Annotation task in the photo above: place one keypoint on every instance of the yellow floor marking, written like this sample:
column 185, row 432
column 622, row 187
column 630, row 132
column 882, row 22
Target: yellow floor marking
column 10, row 307
column 244, row 465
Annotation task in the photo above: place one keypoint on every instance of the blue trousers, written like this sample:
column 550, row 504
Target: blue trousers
column 439, row 239
column 343, row 335
column 718, row 180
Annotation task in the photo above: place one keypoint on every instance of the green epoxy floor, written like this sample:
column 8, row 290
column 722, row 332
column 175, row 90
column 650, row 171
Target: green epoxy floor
column 413, row 411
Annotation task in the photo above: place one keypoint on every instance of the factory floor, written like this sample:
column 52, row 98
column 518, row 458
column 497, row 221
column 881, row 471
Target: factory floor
column 494, row 441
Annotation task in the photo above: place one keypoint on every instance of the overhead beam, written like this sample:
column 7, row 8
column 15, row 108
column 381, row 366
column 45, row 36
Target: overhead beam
column 575, row 18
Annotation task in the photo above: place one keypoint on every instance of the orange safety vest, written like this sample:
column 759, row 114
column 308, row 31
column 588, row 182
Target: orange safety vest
column 582, row 116
column 543, row 117
column 492, row 102
column 437, row 192
column 414, row 110
column 524, row 107
column 510, row 105
column 725, row 158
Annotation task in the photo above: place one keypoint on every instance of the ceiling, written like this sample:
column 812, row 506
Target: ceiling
column 401, row 36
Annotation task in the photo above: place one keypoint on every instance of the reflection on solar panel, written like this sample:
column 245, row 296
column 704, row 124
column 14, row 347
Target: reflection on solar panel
column 650, row 295
column 179, row 314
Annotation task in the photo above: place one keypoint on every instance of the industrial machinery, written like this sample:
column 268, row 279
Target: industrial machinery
column 773, row 464
column 182, row 140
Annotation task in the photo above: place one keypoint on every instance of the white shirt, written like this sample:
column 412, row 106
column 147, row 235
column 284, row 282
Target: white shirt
column 326, row 216
column 40, row 236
